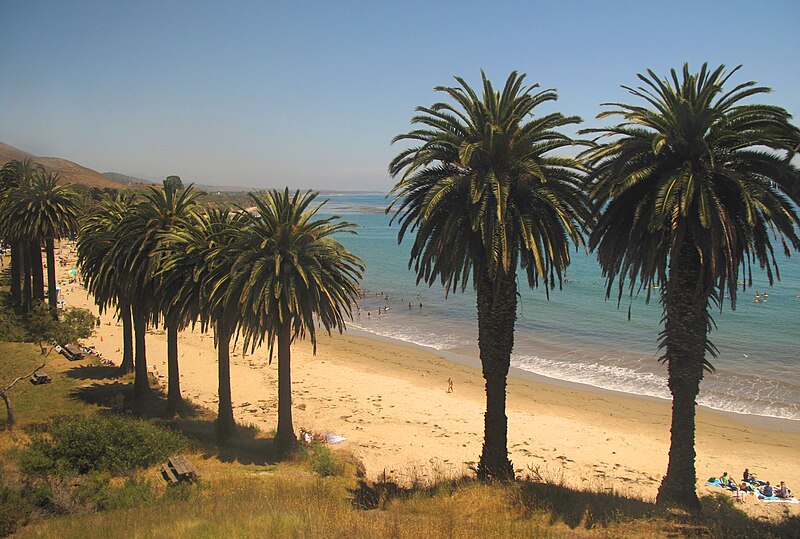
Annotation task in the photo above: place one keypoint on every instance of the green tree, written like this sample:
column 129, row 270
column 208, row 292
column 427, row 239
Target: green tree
column 485, row 196
column 48, row 212
column 13, row 175
column 196, row 277
column 173, row 182
column 43, row 328
column 106, row 276
column 158, row 212
column 691, row 190
column 288, row 270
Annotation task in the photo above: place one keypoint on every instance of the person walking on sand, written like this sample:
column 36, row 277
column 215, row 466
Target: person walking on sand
column 449, row 385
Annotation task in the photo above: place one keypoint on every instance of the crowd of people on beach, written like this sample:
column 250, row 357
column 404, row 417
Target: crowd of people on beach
column 752, row 485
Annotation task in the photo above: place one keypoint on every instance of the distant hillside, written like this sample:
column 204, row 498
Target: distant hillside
column 69, row 172
column 124, row 178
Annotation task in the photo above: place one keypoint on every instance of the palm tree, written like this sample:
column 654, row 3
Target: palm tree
column 196, row 275
column 47, row 211
column 105, row 276
column 691, row 190
column 288, row 269
column 159, row 212
column 14, row 175
column 485, row 196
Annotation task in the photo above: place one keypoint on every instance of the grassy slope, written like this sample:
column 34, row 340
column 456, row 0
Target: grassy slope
column 245, row 492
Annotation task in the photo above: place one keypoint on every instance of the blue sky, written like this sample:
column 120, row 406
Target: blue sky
column 304, row 94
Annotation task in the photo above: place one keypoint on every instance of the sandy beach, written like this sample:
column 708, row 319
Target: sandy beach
column 390, row 401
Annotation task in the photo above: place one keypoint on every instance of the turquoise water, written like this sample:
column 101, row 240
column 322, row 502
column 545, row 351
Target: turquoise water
column 578, row 335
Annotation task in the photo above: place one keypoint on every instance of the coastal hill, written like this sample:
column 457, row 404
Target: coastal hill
column 68, row 171
column 127, row 180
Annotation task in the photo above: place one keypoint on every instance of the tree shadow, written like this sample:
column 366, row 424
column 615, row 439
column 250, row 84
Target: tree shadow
column 579, row 507
column 246, row 445
column 94, row 372
column 152, row 405
column 727, row 520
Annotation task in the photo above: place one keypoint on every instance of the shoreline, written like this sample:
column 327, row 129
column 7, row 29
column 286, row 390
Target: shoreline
column 778, row 424
column 388, row 399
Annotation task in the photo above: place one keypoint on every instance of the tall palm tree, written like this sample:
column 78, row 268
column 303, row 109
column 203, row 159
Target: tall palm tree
column 289, row 269
column 485, row 195
column 196, row 275
column 690, row 191
column 14, row 175
column 105, row 276
column 160, row 211
column 47, row 211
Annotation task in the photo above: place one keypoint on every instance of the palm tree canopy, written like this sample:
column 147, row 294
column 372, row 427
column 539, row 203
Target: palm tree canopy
column 13, row 175
column 289, row 267
column 43, row 208
column 695, row 164
column 99, row 234
column 194, row 271
column 160, row 211
column 483, row 190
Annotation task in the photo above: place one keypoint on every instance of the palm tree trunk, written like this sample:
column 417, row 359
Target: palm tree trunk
column 38, row 270
column 225, row 423
column 27, row 291
column 497, row 312
column 127, row 338
column 174, row 381
column 141, row 385
column 16, row 275
column 285, row 437
column 685, row 335
column 52, row 292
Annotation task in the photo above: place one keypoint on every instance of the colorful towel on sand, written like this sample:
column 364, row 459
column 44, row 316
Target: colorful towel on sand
column 758, row 495
column 778, row 500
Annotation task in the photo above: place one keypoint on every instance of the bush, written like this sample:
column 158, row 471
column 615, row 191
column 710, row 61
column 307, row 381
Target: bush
column 97, row 491
column 98, row 443
column 73, row 324
column 322, row 460
column 14, row 510
column 11, row 329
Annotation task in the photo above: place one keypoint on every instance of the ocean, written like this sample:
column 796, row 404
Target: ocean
column 577, row 335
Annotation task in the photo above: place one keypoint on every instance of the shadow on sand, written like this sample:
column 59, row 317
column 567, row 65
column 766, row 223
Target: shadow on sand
column 246, row 446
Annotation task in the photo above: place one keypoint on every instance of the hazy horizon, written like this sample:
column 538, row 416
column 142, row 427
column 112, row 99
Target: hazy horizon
column 258, row 95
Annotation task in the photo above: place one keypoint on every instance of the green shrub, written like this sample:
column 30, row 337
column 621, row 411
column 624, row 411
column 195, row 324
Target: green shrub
column 14, row 510
column 11, row 329
column 322, row 460
column 98, row 443
column 96, row 491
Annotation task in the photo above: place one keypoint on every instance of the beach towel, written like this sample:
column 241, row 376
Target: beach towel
column 775, row 499
column 759, row 495
column 332, row 438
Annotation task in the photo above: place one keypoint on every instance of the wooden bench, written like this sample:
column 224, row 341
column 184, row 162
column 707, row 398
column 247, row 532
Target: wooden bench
column 178, row 469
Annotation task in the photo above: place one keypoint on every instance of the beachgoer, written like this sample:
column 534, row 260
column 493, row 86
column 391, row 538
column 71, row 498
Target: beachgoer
column 449, row 385
column 767, row 490
column 305, row 436
column 783, row 491
column 747, row 477
column 726, row 480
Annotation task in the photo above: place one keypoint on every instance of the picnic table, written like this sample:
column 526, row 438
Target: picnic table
column 178, row 469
